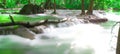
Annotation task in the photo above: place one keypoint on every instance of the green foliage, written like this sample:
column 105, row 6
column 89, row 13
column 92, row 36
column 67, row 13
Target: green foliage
column 23, row 1
column 10, row 3
column 106, row 4
column 69, row 4
column 72, row 4
column 39, row 1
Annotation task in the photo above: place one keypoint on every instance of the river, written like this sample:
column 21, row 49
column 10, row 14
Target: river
column 77, row 38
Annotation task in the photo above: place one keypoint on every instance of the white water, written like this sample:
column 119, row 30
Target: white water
column 80, row 37
column 83, row 36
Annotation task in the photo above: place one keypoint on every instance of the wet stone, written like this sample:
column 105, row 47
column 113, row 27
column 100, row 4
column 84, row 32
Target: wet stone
column 38, row 29
column 100, row 20
column 31, row 9
column 6, row 31
column 45, row 36
column 25, row 32
column 20, row 31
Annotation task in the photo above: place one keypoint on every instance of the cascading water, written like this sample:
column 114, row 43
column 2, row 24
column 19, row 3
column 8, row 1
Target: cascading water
column 71, row 37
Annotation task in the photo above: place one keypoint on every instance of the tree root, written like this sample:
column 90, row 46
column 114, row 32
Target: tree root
column 92, row 18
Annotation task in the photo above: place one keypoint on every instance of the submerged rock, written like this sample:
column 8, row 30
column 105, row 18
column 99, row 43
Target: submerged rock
column 92, row 19
column 45, row 36
column 98, row 20
column 31, row 9
column 24, row 32
column 38, row 29
column 21, row 31
column 6, row 31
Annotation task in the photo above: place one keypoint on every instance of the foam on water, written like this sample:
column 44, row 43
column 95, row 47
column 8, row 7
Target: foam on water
column 113, row 17
column 82, row 36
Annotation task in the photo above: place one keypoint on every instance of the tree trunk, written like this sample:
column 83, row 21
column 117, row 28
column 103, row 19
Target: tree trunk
column 17, row 2
column 82, row 5
column 90, row 9
column 4, row 2
column 47, row 4
column 54, row 7
column 118, row 43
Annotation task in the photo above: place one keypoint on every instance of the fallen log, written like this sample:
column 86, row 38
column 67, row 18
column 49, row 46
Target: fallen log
column 28, row 24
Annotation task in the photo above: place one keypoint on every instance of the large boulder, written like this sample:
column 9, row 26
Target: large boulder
column 31, row 9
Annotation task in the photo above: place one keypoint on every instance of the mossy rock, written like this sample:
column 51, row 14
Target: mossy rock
column 31, row 9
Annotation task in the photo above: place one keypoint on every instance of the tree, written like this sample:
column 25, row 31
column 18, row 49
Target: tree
column 90, row 9
column 47, row 4
column 4, row 3
column 89, row 16
column 118, row 43
column 82, row 5
column 54, row 12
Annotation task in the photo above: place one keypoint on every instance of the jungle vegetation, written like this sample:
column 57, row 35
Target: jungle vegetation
column 68, row 4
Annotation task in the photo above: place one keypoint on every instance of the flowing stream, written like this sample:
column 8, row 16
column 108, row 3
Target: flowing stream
column 71, row 38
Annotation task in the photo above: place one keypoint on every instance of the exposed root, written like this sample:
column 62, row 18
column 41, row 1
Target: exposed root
column 92, row 18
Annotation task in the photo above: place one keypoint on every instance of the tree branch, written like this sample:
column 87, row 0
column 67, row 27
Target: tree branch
column 11, row 18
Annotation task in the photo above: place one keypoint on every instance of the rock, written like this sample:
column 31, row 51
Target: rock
column 35, row 30
column 21, row 31
column 45, row 36
column 31, row 9
column 6, row 30
column 92, row 19
column 98, row 20
column 102, row 12
column 24, row 32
